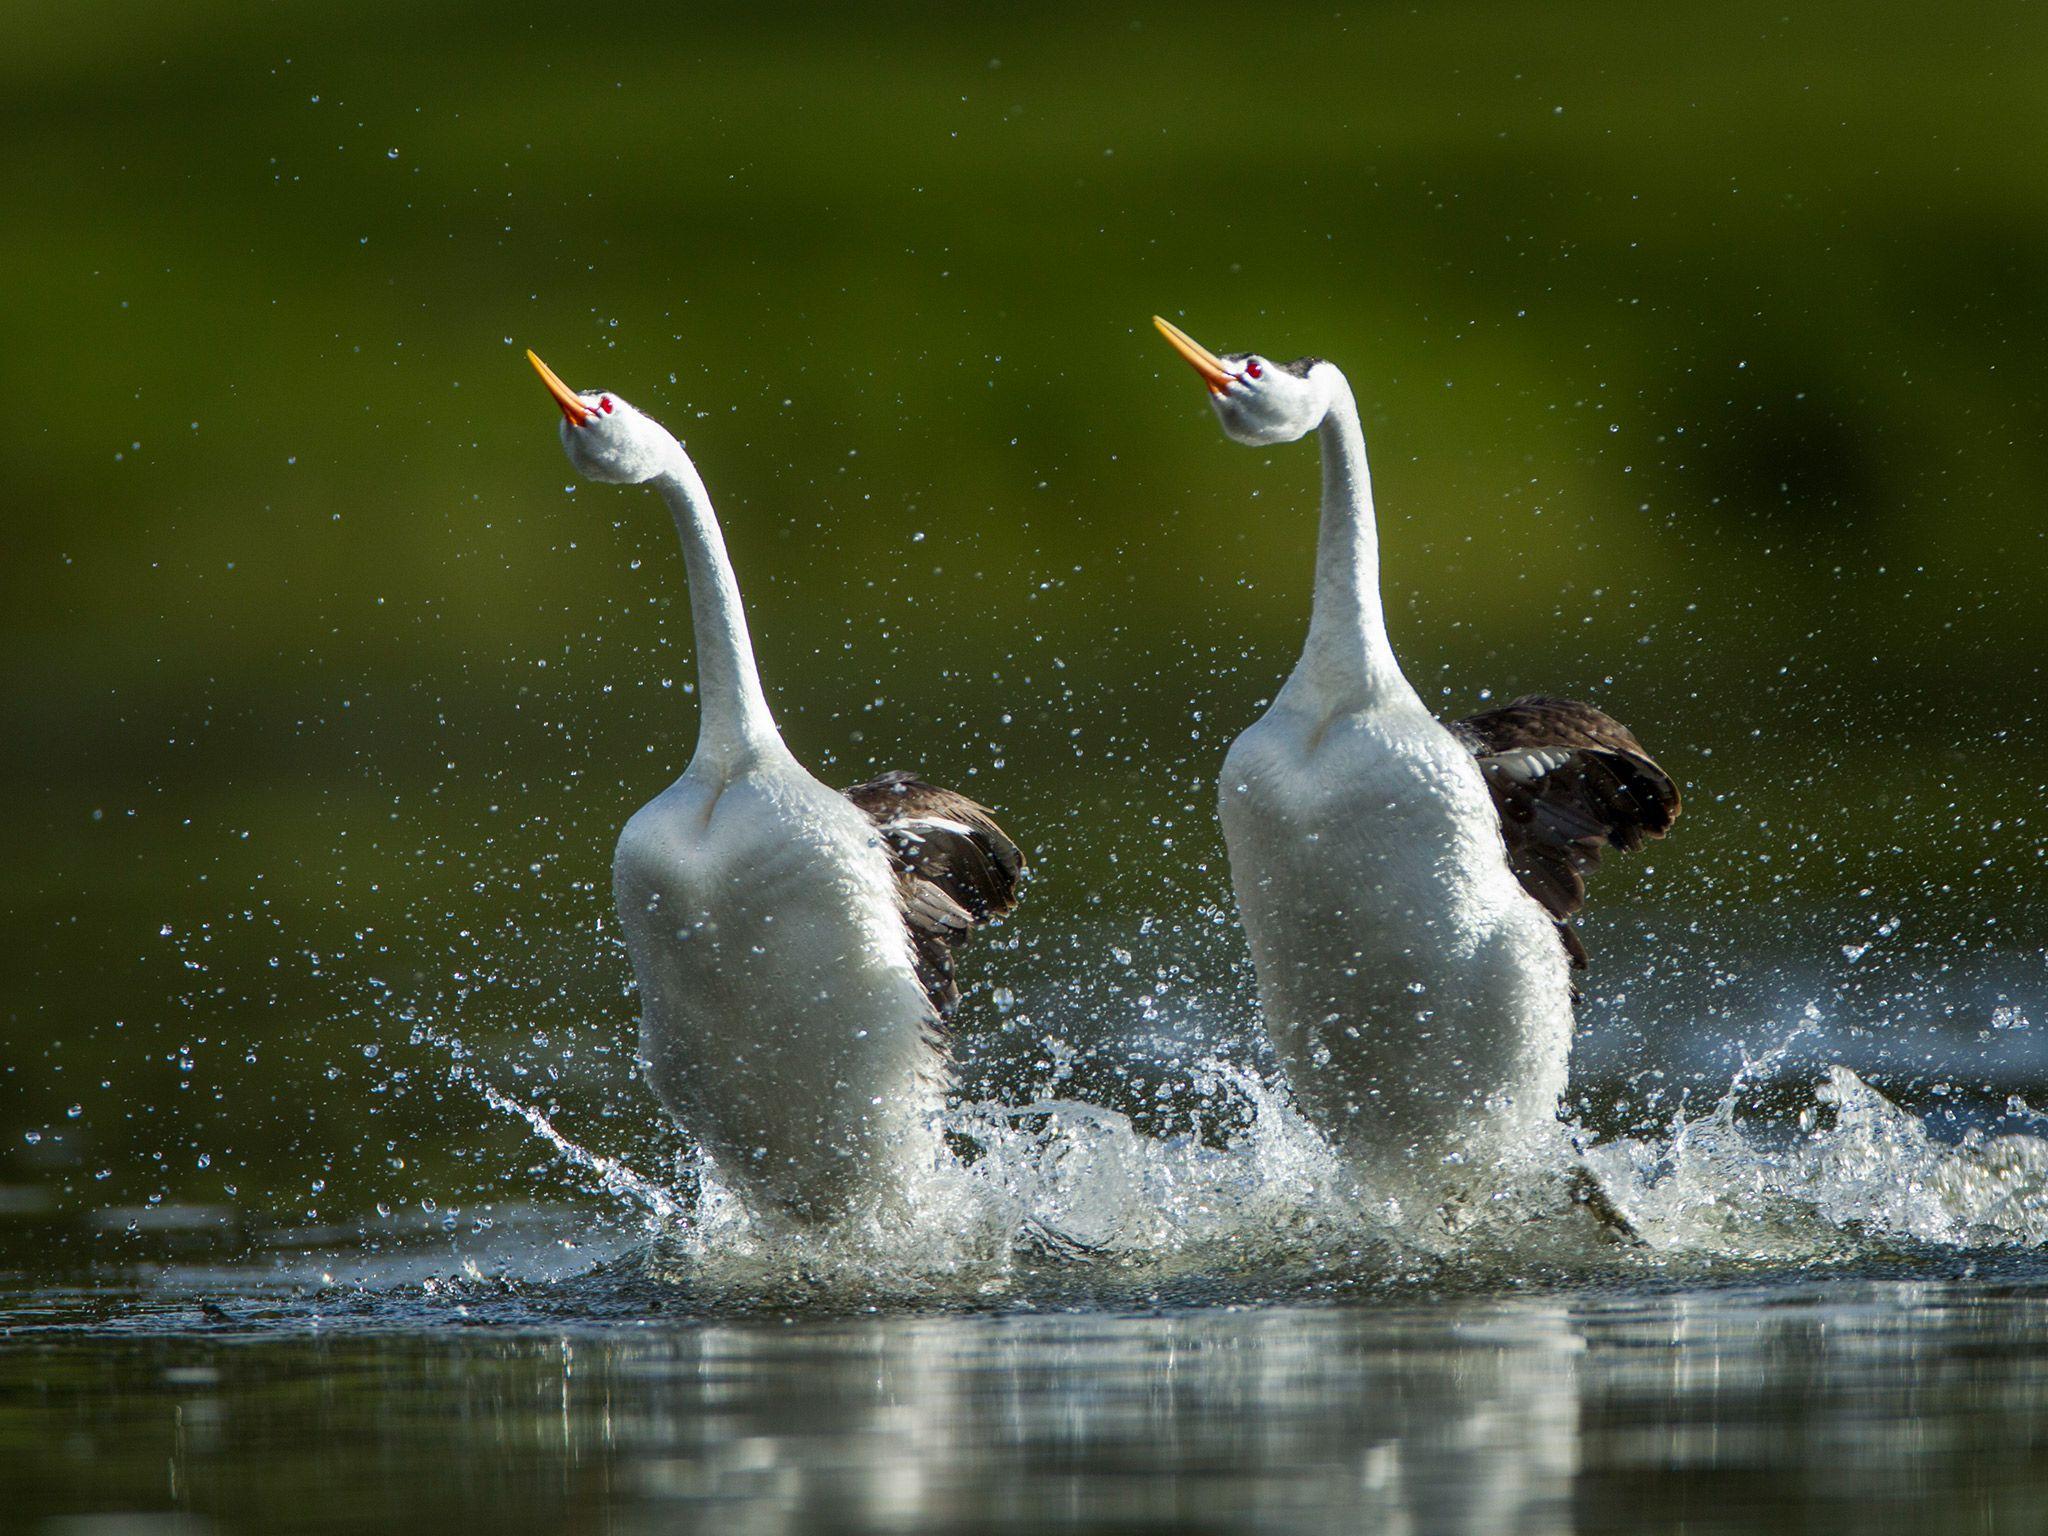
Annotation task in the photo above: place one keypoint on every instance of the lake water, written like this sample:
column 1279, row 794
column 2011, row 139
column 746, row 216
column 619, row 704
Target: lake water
column 1083, row 1328
column 1155, row 1305
column 196, row 1400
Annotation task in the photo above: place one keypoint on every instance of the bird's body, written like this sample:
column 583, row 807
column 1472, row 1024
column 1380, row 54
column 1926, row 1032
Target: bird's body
column 1404, row 885
column 788, row 949
column 1418, row 999
column 782, row 1020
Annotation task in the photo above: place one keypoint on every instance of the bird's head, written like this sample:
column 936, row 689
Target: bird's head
column 605, row 438
column 1260, row 402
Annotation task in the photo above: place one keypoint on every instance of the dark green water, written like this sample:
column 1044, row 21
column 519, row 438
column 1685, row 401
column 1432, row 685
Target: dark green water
column 1917, row 1403
column 1698, row 353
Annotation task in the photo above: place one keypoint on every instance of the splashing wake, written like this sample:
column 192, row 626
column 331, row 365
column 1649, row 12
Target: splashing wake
column 1062, row 1198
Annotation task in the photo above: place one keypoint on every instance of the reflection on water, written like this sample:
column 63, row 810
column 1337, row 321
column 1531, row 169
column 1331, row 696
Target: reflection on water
column 1083, row 1326
column 1781, row 1408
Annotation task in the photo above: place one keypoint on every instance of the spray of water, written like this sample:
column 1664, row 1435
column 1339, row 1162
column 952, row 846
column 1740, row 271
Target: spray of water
column 1058, row 1187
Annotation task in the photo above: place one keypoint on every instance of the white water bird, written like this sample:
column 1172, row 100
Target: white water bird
column 792, row 944
column 1406, row 885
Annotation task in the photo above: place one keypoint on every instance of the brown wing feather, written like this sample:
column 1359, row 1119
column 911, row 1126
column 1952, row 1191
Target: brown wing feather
column 955, row 869
column 1569, row 782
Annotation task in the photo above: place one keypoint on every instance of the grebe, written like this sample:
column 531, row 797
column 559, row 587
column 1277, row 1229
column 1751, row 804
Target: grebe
column 792, row 943
column 1407, row 886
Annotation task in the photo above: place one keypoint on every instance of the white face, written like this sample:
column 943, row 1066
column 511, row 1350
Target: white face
column 617, row 443
column 607, row 439
column 1260, row 402
column 1268, row 402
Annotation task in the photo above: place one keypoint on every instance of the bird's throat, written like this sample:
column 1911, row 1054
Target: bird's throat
column 734, row 722
column 1348, row 661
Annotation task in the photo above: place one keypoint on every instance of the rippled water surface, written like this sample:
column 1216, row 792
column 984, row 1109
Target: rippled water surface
column 1788, row 1306
column 239, row 1402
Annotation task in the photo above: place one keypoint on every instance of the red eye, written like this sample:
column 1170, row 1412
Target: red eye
column 1252, row 370
column 605, row 404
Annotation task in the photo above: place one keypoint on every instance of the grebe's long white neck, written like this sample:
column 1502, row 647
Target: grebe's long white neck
column 733, row 720
column 608, row 439
column 1348, row 659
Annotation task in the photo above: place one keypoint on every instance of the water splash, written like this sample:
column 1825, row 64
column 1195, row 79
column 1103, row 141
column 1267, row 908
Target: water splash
column 1859, row 1176
column 610, row 1176
column 1062, row 1197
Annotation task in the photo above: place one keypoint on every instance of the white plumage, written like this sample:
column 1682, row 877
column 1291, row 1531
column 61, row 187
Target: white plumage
column 782, row 1021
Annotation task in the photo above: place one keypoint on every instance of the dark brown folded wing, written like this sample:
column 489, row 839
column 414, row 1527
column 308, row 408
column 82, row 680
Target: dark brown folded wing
column 1569, row 782
column 955, row 869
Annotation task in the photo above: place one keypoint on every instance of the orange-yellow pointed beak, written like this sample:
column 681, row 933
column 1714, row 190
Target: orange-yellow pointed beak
column 565, row 397
column 1199, row 357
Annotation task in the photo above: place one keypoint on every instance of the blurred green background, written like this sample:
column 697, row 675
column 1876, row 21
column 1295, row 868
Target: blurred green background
column 1701, row 352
